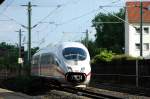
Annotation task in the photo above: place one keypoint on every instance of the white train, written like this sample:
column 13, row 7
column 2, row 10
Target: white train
column 67, row 62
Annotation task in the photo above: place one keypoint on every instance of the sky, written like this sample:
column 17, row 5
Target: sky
column 54, row 20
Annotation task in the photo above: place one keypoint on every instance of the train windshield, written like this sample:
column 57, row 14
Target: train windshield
column 73, row 53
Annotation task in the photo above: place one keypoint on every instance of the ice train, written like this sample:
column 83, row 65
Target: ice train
column 67, row 62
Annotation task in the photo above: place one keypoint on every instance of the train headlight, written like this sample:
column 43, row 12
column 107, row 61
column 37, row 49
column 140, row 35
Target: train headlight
column 69, row 69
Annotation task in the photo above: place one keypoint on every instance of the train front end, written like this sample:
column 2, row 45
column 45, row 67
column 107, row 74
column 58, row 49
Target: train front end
column 77, row 62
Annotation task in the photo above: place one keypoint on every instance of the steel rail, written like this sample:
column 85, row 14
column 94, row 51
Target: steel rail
column 88, row 93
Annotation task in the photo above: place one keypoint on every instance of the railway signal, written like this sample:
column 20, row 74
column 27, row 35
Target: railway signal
column 21, row 56
column 22, row 51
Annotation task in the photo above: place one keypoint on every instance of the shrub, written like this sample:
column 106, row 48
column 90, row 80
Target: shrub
column 123, row 57
column 104, row 56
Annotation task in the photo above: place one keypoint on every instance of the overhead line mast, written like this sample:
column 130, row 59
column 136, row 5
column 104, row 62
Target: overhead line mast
column 29, row 33
column 21, row 52
column 141, row 26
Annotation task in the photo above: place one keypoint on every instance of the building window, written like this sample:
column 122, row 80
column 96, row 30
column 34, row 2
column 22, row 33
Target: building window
column 146, row 46
column 137, row 30
column 137, row 46
column 146, row 30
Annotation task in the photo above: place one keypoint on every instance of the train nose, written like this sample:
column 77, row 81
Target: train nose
column 75, row 77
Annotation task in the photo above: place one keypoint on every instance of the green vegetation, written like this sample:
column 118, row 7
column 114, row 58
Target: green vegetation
column 9, row 56
column 109, row 43
column 123, row 57
column 104, row 56
column 108, row 56
column 110, row 31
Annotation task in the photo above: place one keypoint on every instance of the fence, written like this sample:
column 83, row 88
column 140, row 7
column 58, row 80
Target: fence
column 7, row 73
column 133, row 72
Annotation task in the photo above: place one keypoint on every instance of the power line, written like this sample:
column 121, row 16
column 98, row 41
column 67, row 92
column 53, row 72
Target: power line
column 78, row 17
column 7, row 6
column 12, row 19
column 5, row 20
column 114, row 15
column 43, row 39
column 58, row 6
column 75, row 18
column 109, row 22
column 61, row 6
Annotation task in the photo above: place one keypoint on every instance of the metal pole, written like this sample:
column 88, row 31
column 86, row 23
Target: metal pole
column 87, row 38
column 29, row 35
column 19, row 51
column 141, row 26
column 20, row 43
column 137, row 74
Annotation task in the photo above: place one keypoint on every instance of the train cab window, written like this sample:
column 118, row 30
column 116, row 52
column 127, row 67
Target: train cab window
column 73, row 53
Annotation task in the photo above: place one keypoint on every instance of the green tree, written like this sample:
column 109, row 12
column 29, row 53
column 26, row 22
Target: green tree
column 33, row 51
column 110, row 35
column 8, row 56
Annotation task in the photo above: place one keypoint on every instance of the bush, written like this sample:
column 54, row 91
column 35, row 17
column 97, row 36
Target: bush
column 123, row 57
column 104, row 56
column 108, row 56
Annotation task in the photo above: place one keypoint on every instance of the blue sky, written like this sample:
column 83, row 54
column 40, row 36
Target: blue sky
column 56, row 20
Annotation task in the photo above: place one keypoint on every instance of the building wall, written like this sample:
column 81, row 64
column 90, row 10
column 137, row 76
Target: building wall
column 132, row 39
column 126, row 35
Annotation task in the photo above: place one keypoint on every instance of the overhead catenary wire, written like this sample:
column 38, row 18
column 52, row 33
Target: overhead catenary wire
column 65, row 22
column 113, row 15
column 58, row 6
column 109, row 22
column 78, row 17
column 75, row 18
column 62, row 5
column 7, row 6
column 5, row 20
column 14, row 20
column 116, row 16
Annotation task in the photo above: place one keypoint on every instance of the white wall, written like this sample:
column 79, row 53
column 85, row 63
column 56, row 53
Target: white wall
column 126, row 35
column 131, row 38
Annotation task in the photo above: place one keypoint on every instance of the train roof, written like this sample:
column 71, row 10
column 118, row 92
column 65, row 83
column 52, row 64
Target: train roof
column 62, row 45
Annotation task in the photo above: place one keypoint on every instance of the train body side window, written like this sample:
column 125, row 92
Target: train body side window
column 35, row 60
column 47, row 58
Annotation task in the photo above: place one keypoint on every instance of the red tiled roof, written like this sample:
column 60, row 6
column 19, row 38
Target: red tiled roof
column 133, row 11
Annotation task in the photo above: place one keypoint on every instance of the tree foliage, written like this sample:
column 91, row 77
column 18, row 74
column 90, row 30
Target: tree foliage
column 110, row 35
column 103, row 56
column 90, row 46
column 9, row 55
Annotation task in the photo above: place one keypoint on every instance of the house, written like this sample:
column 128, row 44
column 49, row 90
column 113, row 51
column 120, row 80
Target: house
column 132, row 29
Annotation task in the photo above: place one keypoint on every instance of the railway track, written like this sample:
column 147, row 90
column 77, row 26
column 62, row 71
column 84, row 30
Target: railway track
column 85, row 92
column 131, row 90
